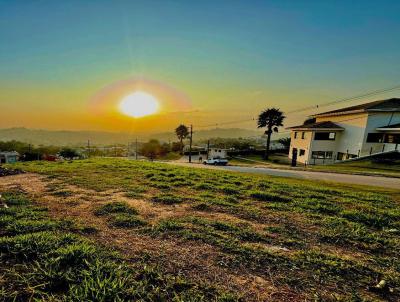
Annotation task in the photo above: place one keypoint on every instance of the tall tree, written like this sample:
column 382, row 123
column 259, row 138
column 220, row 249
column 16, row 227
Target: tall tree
column 69, row 153
column 151, row 149
column 182, row 132
column 271, row 119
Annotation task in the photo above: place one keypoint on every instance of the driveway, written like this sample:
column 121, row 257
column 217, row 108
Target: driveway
column 378, row 181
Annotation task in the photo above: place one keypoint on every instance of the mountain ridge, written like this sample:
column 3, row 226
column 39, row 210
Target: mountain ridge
column 80, row 137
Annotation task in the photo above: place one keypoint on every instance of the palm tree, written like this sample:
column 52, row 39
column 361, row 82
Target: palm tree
column 182, row 132
column 271, row 119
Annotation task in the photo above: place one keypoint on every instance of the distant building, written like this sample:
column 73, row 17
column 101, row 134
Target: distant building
column 217, row 153
column 349, row 132
column 8, row 157
column 274, row 144
column 195, row 149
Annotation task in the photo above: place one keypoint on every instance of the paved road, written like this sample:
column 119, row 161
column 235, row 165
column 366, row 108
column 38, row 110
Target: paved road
column 386, row 182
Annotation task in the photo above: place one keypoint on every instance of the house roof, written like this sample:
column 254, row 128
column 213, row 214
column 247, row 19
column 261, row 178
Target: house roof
column 9, row 153
column 327, row 125
column 391, row 126
column 382, row 105
column 394, row 127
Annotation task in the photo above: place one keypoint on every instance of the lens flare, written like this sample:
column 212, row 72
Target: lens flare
column 138, row 104
column 106, row 101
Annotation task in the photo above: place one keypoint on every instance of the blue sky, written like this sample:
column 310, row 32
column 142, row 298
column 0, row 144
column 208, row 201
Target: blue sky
column 219, row 53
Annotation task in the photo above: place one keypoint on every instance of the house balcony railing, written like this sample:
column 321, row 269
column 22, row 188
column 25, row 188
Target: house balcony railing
column 381, row 148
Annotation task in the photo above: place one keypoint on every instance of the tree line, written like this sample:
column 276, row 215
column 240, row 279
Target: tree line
column 270, row 119
column 30, row 152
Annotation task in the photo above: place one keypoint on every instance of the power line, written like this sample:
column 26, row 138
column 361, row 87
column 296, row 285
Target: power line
column 371, row 93
column 226, row 123
column 359, row 96
column 190, row 143
column 345, row 120
column 288, row 131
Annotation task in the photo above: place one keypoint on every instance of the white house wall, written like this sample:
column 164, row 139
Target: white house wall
column 217, row 153
column 325, row 145
column 300, row 143
column 352, row 138
column 376, row 120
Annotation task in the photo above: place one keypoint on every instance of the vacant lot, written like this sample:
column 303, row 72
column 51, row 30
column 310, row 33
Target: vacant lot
column 186, row 234
column 367, row 167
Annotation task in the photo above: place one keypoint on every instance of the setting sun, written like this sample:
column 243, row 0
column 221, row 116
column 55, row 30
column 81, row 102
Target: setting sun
column 138, row 104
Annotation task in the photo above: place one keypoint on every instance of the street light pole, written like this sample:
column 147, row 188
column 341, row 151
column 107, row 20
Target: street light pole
column 136, row 150
column 190, row 143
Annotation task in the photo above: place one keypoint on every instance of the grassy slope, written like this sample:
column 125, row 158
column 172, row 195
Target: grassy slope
column 50, row 260
column 328, row 243
column 363, row 167
column 275, row 160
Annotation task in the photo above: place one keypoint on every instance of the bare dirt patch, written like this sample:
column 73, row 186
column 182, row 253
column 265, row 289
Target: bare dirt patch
column 199, row 262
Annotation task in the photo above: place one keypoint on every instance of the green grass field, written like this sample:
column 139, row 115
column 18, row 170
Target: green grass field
column 185, row 234
column 275, row 160
column 366, row 167
column 362, row 167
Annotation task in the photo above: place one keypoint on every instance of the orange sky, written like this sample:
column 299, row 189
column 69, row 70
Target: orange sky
column 65, row 65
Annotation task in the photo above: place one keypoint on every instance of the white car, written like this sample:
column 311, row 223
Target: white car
column 216, row 161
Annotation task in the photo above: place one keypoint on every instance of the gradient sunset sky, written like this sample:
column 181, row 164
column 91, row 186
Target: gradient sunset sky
column 63, row 64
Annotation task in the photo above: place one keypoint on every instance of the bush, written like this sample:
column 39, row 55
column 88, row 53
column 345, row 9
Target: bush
column 68, row 153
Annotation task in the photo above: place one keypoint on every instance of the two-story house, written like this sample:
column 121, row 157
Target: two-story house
column 349, row 132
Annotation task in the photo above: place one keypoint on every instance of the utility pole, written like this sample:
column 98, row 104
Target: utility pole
column 208, row 148
column 88, row 148
column 190, row 143
column 136, row 150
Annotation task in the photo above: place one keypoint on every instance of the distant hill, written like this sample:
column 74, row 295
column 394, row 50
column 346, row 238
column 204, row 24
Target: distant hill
column 212, row 133
column 75, row 138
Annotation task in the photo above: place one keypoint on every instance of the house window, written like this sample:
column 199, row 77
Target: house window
column 322, row 154
column 295, row 135
column 392, row 138
column 303, row 135
column 324, row 136
column 302, row 152
column 375, row 138
column 340, row 156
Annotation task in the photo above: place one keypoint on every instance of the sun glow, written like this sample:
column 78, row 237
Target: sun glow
column 138, row 104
